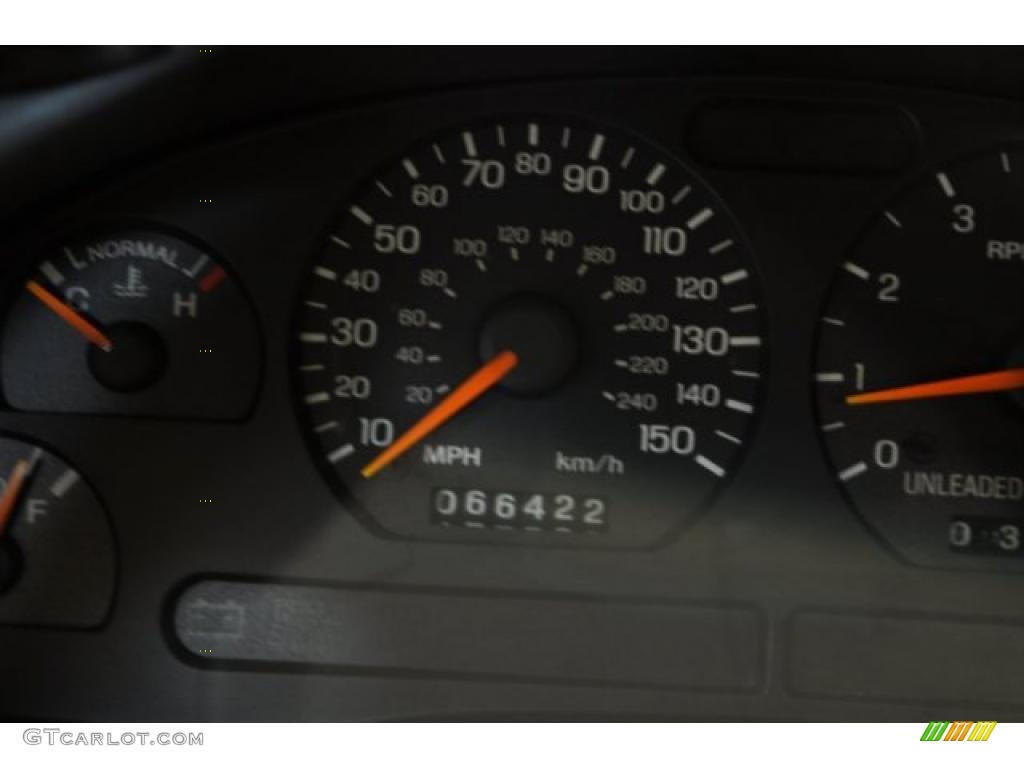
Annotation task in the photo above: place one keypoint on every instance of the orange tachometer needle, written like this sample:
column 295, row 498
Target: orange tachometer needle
column 15, row 485
column 493, row 371
column 66, row 313
column 1000, row 381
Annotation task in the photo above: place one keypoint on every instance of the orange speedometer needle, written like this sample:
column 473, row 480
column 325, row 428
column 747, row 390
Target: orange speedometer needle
column 489, row 374
column 66, row 313
column 1000, row 381
column 12, row 493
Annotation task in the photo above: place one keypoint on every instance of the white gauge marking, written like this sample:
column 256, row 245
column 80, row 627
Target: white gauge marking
column 441, row 388
column 325, row 273
column 746, row 374
column 317, row 397
column 596, row 145
column 620, row 327
column 500, row 131
column 338, row 241
column 745, row 341
column 742, row 308
column 946, row 184
column 720, row 247
column 549, row 254
column 627, row 158
column 853, row 471
column 194, row 270
column 481, row 265
column 438, row 154
column 727, row 436
column 833, row 321
column 341, row 453
column 384, row 189
column 709, row 465
column 64, row 483
column 434, row 325
column 362, row 215
column 52, row 273
column 566, row 135
column 450, row 293
column 327, row 426
column 734, row 277
column 411, row 169
column 316, row 304
column 470, row 143
column 893, row 220
column 833, row 426
column 581, row 270
column 313, row 338
column 608, row 396
column 622, row 363
column 856, row 270
column 679, row 196
column 312, row 367
column 532, row 134
column 514, row 253
column 656, row 173
column 608, row 295
column 1005, row 159
column 433, row 358
column 829, row 377
column 739, row 405
column 699, row 218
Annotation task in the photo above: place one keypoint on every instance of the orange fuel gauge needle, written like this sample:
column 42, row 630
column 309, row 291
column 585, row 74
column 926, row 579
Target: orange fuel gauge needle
column 12, row 493
column 999, row 381
column 66, row 313
column 489, row 374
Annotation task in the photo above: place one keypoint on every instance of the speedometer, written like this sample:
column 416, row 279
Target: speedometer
column 531, row 331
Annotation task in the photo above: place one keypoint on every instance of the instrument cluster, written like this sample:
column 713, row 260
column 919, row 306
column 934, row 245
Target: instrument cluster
column 670, row 338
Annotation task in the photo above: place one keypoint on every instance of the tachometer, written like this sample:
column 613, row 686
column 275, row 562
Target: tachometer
column 921, row 368
column 531, row 327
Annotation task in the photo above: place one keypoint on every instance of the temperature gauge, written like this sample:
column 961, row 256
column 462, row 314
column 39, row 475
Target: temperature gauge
column 132, row 322
column 57, row 559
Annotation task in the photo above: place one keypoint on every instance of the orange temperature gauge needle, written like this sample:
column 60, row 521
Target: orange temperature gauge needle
column 1000, row 381
column 66, row 313
column 480, row 382
column 12, row 493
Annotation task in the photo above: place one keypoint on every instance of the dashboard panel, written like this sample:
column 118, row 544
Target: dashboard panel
column 611, row 396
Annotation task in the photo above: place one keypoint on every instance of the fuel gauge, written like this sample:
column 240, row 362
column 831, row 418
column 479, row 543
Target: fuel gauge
column 133, row 322
column 57, row 558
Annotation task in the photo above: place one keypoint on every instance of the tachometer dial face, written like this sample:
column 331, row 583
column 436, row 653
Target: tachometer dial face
column 531, row 332
column 920, row 370
column 131, row 322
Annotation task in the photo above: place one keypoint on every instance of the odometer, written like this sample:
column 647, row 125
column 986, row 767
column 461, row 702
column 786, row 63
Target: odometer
column 530, row 327
column 921, row 368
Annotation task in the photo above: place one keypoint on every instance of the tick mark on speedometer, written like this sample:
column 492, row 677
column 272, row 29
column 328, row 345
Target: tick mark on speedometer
column 709, row 465
column 656, row 173
column 699, row 218
column 362, row 215
column 734, row 277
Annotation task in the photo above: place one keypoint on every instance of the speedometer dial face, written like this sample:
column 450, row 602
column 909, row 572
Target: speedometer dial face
column 531, row 332
column 921, row 367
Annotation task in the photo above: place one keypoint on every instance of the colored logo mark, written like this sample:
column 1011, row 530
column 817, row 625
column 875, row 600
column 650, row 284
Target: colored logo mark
column 958, row 731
